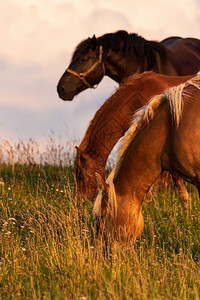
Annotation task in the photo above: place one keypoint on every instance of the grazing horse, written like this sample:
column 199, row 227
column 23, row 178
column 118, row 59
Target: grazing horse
column 164, row 135
column 119, row 54
column 110, row 123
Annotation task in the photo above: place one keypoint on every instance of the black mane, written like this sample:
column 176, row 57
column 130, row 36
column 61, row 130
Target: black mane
column 133, row 43
column 82, row 48
column 128, row 43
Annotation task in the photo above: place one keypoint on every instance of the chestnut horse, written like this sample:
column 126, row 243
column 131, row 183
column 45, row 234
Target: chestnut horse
column 164, row 136
column 119, row 54
column 110, row 123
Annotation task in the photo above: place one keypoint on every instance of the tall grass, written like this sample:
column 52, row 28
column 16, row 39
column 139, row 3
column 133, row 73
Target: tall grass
column 49, row 248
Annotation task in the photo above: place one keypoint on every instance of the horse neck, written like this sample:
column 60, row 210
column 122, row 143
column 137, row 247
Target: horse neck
column 118, row 66
column 141, row 163
column 111, row 121
column 121, row 64
column 93, row 152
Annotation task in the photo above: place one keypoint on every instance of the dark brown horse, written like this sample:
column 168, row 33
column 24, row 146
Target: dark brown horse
column 119, row 54
column 110, row 123
column 164, row 135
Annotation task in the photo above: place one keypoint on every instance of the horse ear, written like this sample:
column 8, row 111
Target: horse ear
column 101, row 184
column 78, row 151
column 94, row 42
column 78, row 156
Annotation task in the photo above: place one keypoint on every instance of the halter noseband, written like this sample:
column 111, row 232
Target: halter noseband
column 82, row 76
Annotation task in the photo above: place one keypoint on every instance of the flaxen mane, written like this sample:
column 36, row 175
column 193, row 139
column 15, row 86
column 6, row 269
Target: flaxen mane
column 111, row 199
column 175, row 94
column 144, row 115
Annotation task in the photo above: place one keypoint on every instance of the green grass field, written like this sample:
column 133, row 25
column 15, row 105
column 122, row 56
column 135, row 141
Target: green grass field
column 49, row 249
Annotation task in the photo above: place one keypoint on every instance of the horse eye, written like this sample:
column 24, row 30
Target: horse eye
column 83, row 60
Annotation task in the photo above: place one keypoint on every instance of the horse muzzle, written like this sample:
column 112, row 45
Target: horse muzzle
column 63, row 95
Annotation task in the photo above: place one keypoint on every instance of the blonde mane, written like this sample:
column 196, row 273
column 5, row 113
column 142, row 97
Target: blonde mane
column 175, row 97
column 111, row 198
column 144, row 115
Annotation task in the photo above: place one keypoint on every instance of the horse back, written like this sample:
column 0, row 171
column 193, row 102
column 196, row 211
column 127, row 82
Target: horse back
column 171, row 41
column 185, row 55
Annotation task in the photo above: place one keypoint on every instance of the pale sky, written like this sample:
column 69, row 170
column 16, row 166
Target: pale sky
column 37, row 40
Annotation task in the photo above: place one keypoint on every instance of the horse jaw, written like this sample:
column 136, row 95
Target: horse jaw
column 69, row 86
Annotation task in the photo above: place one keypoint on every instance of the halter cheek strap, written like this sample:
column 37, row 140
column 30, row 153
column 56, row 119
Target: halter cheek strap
column 82, row 76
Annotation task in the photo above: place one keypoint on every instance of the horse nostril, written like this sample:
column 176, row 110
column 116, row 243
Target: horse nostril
column 60, row 89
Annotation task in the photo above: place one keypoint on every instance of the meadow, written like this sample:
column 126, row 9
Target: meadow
column 49, row 247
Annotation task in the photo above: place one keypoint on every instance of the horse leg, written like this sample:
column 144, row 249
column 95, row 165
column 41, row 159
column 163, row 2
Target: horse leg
column 185, row 197
column 198, row 189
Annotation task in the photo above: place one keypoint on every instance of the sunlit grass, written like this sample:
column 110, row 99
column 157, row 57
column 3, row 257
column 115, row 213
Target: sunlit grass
column 49, row 248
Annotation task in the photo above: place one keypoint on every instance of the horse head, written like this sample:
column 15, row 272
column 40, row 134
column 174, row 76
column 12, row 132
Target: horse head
column 86, row 69
column 116, row 214
column 85, row 175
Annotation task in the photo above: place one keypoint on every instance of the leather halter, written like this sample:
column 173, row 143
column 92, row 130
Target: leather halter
column 82, row 76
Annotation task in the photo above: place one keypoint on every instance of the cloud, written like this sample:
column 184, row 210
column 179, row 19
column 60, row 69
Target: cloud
column 71, row 118
column 38, row 38
column 159, row 19
column 35, row 32
column 40, row 31
column 104, row 20
column 28, row 85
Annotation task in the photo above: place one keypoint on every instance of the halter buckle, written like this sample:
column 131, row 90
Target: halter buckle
column 81, row 75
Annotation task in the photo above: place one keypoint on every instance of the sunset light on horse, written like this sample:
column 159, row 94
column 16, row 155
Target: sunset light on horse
column 100, row 149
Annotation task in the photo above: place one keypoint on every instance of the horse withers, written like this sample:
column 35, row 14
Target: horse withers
column 164, row 136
